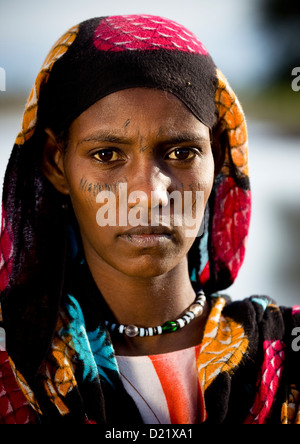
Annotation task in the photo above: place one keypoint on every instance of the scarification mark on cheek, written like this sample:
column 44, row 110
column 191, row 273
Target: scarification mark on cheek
column 82, row 184
column 94, row 188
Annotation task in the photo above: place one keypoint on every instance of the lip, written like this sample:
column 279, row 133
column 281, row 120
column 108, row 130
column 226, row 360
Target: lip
column 148, row 230
column 147, row 236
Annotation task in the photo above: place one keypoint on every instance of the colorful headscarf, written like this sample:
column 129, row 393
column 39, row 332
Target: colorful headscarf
column 90, row 61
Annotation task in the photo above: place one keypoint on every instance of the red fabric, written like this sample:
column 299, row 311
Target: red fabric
column 204, row 276
column 14, row 408
column 271, row 373
column 177, row 387
column 230, row 226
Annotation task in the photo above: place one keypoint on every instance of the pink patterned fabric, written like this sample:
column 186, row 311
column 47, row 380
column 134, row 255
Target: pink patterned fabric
column 145, row 33
column 6, row 252
column 295, row 309
column 268, row 384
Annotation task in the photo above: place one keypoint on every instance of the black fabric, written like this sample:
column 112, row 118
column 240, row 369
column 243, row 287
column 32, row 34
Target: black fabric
column 85, row 75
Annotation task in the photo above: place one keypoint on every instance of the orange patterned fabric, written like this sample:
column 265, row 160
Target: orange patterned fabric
column 232, row 117
column 30, row 113
column 57, row 374
column 223, row 346
column 290, row 412
column 25, row 388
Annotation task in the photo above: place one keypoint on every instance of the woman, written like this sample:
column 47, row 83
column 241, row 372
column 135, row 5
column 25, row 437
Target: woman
column 110, row 305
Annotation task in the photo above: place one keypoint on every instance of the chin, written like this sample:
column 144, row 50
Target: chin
column 148, row 267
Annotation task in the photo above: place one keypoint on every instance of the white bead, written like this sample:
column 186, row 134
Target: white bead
column 190, row 314
column 131, row 331
column 142, row 331
column 200, row 302
column 180, row 322
column 159, row 330
column 187, row 318
column 121, row 328
column 150, row 331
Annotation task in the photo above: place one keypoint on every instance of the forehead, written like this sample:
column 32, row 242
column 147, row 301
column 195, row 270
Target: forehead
column 135, row 108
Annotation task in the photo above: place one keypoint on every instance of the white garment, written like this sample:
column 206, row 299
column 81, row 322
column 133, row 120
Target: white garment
column 164, row 387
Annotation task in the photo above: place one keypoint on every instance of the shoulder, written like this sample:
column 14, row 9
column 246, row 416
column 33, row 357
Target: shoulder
column 261, row 317
column 259, row 309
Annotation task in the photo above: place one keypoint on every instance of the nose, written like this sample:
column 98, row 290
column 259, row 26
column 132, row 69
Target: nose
column 150, row 187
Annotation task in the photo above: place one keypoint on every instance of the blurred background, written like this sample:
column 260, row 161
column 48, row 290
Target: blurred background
column 256, row 44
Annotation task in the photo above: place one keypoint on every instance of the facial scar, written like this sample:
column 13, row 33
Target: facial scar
column 126, row 123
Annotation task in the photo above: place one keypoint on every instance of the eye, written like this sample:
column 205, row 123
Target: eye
column 107, row 155
column 181, row 153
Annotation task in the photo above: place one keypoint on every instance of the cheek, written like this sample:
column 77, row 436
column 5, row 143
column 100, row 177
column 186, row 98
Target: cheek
column 201, row 179
column 201, row 186
column 206, row 185
column 196, row 186
column 85, row 211
column 83, row 196
column 207, row 176
column 94, row 237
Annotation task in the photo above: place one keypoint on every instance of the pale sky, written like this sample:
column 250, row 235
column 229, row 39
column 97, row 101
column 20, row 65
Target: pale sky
column 230, row 30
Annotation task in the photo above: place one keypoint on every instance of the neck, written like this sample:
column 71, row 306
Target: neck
column 144, row 300
column 148, row 301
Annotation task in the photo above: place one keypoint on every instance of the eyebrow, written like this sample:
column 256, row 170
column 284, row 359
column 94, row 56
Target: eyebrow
column 169, row 137
column 183, row 137
column 104, row 137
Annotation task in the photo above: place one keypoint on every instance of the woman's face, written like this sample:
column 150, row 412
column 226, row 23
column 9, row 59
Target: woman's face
column 126, row 154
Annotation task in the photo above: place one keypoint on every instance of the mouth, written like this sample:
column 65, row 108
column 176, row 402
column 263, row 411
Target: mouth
column 147, row 236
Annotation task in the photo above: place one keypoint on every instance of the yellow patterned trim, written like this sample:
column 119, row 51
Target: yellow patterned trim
column 28, row 393
column 58, row 373
column 232, row 116
column 30, row 113
column 223, row 346
column 290, row 411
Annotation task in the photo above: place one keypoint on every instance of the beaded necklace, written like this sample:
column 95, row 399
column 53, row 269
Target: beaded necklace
column 193, row 311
